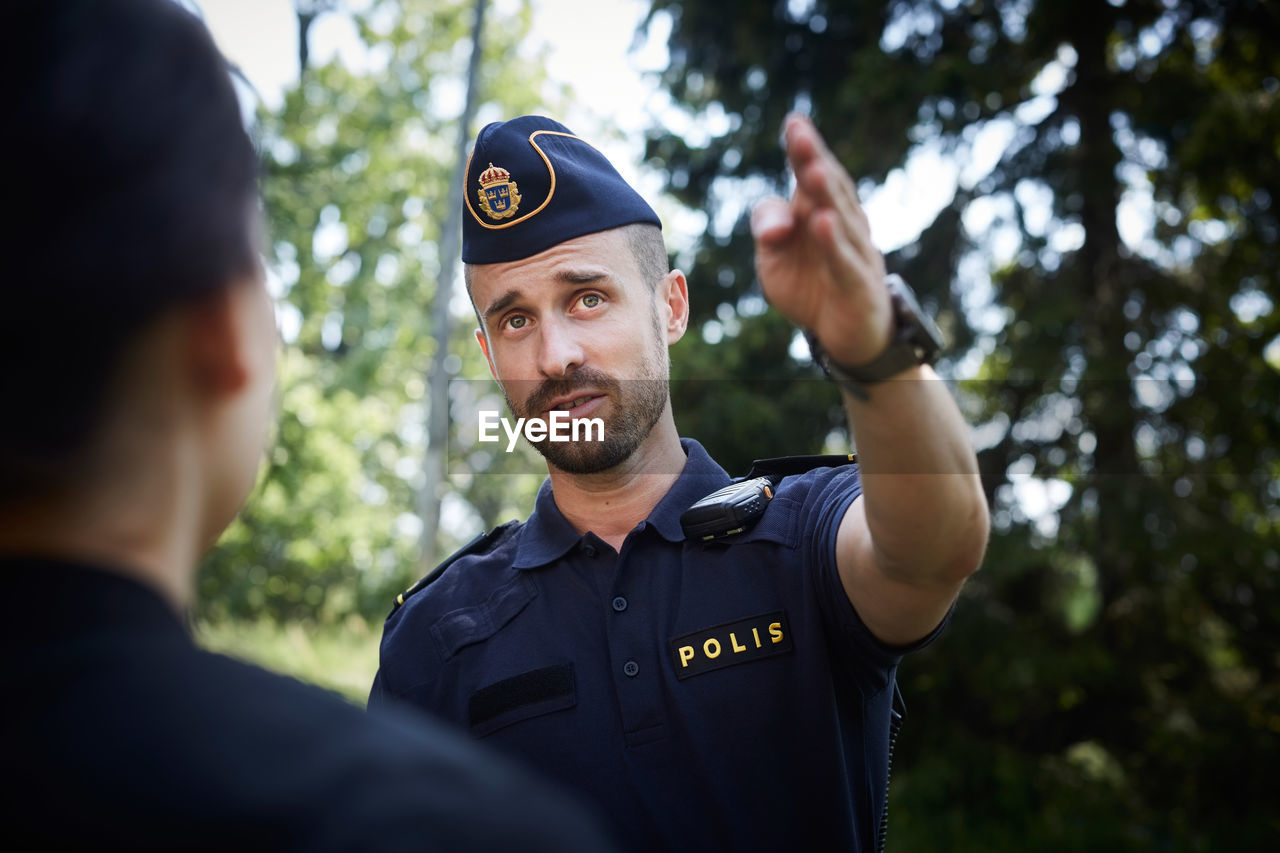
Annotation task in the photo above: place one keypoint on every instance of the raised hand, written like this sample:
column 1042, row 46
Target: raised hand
column 814, row 255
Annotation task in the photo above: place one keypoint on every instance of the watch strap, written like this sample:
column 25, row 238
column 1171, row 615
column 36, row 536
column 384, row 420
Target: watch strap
column 915, row 341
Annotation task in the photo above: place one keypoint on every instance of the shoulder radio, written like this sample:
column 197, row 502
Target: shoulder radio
column 736, row 507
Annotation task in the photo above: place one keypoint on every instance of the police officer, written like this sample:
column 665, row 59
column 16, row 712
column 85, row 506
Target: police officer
column 138, row 348
column 734, row 694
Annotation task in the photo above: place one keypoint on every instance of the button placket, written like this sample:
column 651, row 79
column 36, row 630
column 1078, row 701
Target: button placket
column 631, row 639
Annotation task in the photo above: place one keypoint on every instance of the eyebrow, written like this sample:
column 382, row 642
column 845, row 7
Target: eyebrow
column 501, row 304
column 566, row 276
column 580, row 276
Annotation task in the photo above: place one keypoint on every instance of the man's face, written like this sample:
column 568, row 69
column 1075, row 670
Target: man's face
column 577, row 328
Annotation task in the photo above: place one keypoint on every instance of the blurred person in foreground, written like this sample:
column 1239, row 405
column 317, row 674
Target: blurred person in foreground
column 139, row 348
column 713, row 690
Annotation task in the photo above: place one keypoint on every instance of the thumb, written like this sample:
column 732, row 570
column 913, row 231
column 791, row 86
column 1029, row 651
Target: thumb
column 771, row 221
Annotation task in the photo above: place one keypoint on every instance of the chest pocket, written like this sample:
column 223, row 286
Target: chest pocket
column 457, row 629
column 521, row 697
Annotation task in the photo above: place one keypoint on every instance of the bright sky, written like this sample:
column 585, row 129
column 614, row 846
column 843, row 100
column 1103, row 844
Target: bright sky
column 589, row 52
column 614, row 101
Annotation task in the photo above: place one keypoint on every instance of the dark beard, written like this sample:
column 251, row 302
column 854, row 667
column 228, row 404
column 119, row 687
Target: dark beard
column 637, row 406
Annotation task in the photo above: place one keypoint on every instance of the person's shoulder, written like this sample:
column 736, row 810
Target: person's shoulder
column 379, row 777
column 798, row 488
column 267, row 717
column 827, row 474
column 232, row 746
column 466, row 796
column 472, row 570
column 372, row 780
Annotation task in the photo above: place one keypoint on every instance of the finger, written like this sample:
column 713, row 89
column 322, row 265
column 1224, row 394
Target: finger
column 803, row 143
column 829, row 185
column 805, row 148
column 772, row 221
column 843, row 183
column 822, row 182
column 851, row 221
column 848, row 266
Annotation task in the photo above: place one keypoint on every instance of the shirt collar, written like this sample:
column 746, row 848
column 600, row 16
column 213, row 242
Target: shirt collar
column 700, row 477
column 547, row 535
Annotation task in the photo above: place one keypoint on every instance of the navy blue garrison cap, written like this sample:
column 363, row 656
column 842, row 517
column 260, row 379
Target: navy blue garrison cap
column 531, row 183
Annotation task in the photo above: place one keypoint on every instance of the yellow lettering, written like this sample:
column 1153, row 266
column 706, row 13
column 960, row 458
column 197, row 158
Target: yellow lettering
column 686, row 655
column 755, row 632
column 775, row 631
column 733, row 641
column 706, row 648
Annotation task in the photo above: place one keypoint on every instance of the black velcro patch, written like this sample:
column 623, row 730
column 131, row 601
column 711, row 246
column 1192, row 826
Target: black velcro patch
column 732, row 643
column 546, row 685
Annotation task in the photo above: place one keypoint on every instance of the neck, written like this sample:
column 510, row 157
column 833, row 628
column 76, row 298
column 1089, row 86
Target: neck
column 611, row 503
column 138, row 524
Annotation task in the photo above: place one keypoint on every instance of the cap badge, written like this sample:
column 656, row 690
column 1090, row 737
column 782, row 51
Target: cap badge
column 498, row 194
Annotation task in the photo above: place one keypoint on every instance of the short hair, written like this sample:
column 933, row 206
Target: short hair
column 649, row 250
column 646, row 245
column 134, row 185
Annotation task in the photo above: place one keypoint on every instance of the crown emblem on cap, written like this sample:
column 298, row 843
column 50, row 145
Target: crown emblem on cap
column 498, row 194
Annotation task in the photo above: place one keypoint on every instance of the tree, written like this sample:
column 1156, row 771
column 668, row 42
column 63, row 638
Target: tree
column 435, row 463
column 357, row 169
column 1109, row 680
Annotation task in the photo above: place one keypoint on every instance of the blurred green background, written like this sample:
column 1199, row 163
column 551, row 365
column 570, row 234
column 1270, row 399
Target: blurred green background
column 1105, row 272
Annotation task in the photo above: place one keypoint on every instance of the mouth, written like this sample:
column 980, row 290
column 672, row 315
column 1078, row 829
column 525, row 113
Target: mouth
column 576, row 404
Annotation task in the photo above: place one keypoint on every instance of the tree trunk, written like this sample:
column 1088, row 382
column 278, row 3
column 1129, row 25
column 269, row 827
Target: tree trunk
column 442, row 324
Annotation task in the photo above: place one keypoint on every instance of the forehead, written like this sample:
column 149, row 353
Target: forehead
column 604, row 254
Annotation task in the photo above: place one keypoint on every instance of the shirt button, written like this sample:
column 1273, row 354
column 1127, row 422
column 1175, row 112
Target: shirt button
column 589, row 550
column 631, row 668
column 619, row 604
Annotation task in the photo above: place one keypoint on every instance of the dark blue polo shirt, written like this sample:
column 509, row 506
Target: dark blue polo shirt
column 707, row 696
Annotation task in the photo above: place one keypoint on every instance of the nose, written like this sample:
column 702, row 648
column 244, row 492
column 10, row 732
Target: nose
column 558, row 352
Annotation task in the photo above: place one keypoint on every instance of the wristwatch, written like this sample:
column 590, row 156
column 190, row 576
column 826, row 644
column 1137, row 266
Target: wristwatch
column 916, row 340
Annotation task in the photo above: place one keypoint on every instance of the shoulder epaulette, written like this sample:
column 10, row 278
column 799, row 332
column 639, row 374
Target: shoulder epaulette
column 788, row 466
column 483, row 542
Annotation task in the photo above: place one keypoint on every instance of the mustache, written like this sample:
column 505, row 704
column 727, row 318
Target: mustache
column 579, row 380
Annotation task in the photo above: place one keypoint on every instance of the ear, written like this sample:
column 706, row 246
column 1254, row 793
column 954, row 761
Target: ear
column 484, row 348
column 673, row 290
column 217, row 362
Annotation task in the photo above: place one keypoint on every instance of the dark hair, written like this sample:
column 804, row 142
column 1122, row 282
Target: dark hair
column 134, row 188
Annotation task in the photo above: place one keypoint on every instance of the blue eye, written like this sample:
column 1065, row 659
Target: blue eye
column 594, row 300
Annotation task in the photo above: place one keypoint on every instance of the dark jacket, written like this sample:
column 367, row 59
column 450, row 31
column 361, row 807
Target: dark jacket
column 119, row 733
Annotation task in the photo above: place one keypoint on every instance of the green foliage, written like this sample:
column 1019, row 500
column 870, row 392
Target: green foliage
column 749, row 399
column 356, row 170
column 1110, row 679
column 341, row 656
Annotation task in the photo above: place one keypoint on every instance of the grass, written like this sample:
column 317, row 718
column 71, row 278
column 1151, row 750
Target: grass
column 340, row 657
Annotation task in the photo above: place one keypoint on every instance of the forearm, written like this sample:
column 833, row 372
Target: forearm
column 925, row 509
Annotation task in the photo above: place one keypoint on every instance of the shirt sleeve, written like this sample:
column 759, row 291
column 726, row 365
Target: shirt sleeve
column 868, row 661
